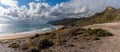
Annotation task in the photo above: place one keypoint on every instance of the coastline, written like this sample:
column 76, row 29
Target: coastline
column 72, row 42
column 16, row 36
column 27, row 34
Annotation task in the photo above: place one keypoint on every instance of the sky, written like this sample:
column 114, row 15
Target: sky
column 50, row 2
column 42, row 11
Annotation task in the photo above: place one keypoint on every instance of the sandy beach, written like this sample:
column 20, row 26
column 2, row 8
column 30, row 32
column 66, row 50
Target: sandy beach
column 28, row 34
column 16, row 36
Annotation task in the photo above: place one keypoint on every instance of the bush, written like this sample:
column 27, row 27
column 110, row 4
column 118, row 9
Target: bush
column 51, row 36
column 14, row 45
column 89, row 31
column 98, row 32
column 33, row 49
column 74, row 31
column 102, row 33
column 47, row 33
column 37, row 35
column 44, row 43
column 60, row 41
column 32, row 37
column 24, row 47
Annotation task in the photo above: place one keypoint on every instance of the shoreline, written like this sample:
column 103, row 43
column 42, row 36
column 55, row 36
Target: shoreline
column 26, row 34
column 17, row 36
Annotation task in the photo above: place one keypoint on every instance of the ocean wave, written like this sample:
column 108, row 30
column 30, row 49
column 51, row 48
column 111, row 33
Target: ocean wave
column 43, row 30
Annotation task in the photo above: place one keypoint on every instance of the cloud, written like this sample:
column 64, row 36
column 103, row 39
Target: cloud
column 11, row 3
column 2, row 11
column 43, row 12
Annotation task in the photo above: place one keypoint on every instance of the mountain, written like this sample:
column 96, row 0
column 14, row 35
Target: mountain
column 110, row 14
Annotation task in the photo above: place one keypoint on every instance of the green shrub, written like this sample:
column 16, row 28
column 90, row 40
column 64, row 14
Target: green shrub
column 32, row 37
column 47, row 33
column 37, row 35
column 24, row 47
column 89, row 31
column 102, row 33
column 60, row 41
column 44, row 43
column 98, row 32
column 33, row 49
column 14, row 45
column 74, row 31
column 51, row 36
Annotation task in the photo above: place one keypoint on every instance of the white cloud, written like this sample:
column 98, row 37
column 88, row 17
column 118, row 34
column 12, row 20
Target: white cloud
column 2, row 11
column 80, row 8
column 12, row 3
column 43, row 12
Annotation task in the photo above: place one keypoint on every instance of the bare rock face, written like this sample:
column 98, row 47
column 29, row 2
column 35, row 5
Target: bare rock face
column 109, row 8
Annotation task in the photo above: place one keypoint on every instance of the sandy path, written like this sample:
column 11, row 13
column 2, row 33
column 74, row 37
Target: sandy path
column 109, row 44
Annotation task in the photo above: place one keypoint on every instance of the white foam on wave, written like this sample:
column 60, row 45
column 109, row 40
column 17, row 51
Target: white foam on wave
column 47, row 29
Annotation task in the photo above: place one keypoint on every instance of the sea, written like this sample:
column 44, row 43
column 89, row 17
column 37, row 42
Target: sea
column 12, row 29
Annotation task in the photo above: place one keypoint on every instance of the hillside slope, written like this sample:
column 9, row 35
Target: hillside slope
column 109, row 15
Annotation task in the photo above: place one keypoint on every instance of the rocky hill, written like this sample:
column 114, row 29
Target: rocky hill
column 110, row 14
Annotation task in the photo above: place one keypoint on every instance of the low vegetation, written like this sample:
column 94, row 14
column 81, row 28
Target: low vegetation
column 44, row 43
column 14, row 45
column 37, row 35
column 33, row 49
column 98, row 32
column 61, row 37
column 60, row 42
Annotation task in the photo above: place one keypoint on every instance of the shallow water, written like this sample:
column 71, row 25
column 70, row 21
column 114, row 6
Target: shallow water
column 6, row 29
